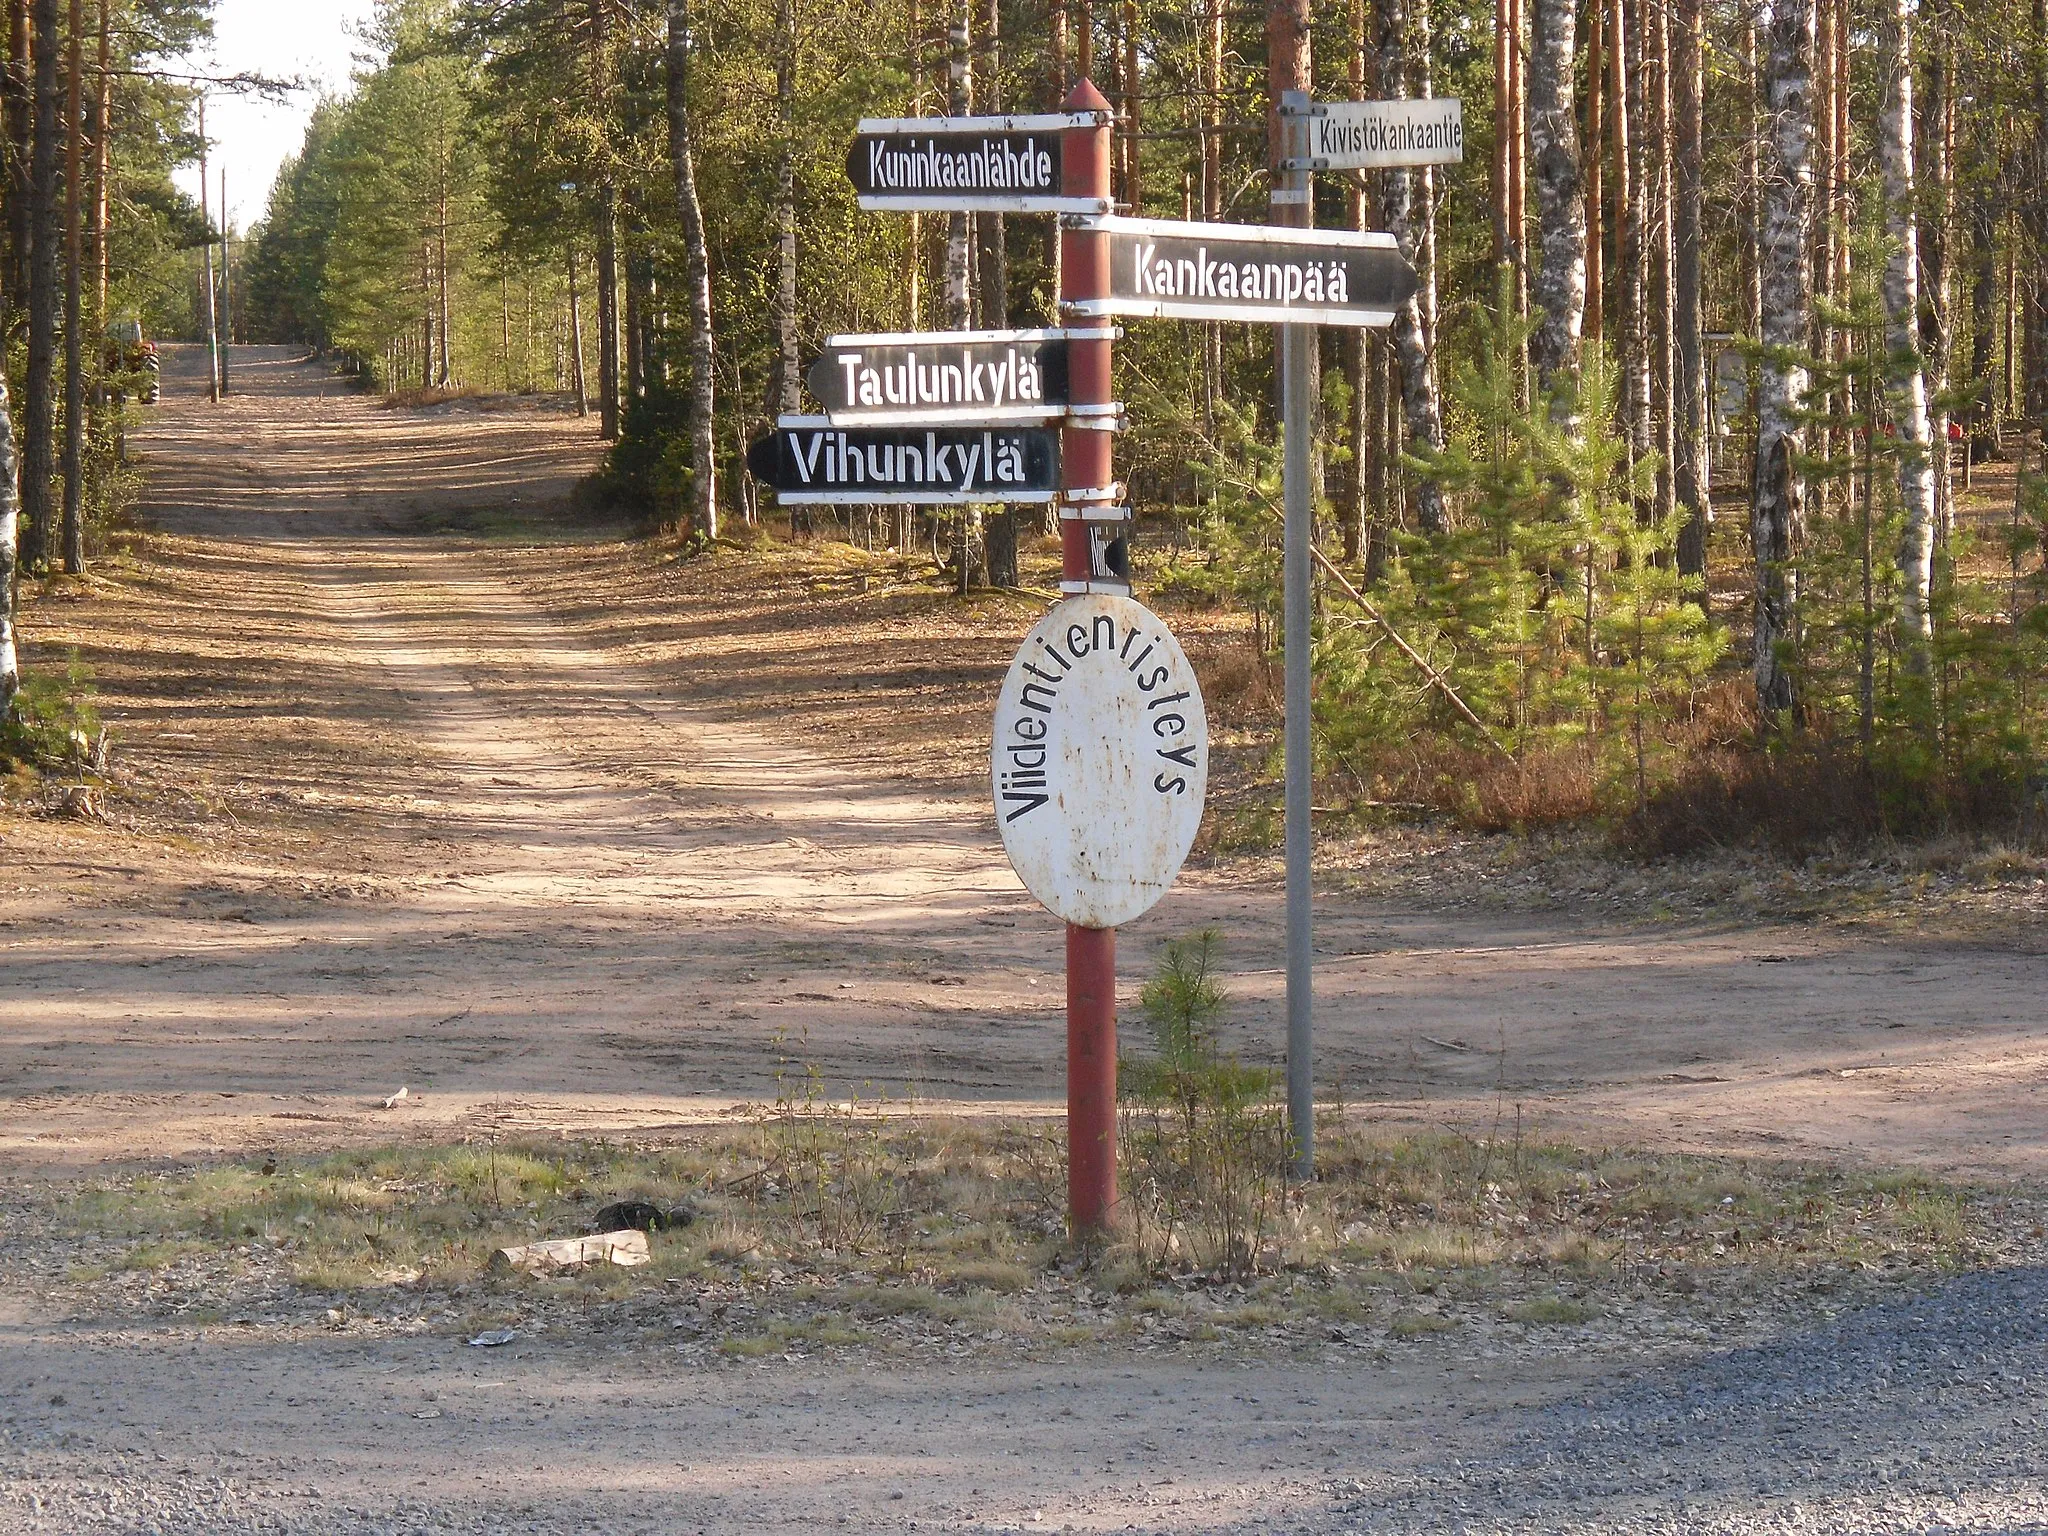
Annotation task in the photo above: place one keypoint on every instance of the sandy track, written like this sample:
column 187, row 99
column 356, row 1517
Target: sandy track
column 576, row 890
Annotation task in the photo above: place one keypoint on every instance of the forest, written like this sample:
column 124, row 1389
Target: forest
column 1698, row 491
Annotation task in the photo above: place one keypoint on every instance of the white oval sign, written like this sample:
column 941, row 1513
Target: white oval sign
column 1100, row 760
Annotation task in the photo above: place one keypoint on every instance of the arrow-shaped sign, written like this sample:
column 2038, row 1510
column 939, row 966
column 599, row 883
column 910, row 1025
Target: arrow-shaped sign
column 985, row 377
column 809, row 460
column 1253, row 272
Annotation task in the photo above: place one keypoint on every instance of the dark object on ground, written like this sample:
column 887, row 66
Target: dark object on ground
column 642, row 1215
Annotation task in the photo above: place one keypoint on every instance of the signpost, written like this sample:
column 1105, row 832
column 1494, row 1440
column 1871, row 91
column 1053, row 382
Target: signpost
column 810, row 462
column 1099, row 762
column 922, row 376
column 1254, row 272
column 1372, row 135
column 970, row 164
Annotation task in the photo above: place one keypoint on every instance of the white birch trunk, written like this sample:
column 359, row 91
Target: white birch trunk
column 1905, row 379
column 701, row 500
column 10, row 529
column 1560, row 285
column 1397, row 211
column 1692, row 464
column 1785, row 175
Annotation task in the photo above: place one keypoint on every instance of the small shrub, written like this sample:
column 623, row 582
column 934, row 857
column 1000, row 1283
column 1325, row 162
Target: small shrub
column 1205, row 1141
column 52, row 724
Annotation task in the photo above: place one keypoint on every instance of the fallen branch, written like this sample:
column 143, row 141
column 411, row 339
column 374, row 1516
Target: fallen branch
column 1436, row 678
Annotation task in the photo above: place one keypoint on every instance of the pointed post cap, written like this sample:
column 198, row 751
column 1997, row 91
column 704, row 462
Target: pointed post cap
column 1085, row 98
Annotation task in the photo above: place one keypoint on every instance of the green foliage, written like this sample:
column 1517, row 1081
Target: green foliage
column 1963, row 743
column 51, row 724
column 1552, row 607
column 1204, row 1138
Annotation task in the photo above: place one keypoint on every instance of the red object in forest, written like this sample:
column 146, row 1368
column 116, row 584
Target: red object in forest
column 1085, row 465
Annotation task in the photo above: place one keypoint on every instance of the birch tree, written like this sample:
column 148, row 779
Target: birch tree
column 10, row 533
column 1786, row 176
column 1691, row 466
column 1560, row 284
column 699, row 422
column 1400, row 216
column 1905, row 378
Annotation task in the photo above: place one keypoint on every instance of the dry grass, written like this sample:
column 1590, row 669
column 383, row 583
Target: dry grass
column 831, row 1231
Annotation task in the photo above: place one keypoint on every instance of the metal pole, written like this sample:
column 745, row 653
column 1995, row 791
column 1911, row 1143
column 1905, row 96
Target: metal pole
column 1085, row 464
column 1297, row 345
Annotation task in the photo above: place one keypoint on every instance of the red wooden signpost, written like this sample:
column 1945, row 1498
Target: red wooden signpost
column 1085, row 467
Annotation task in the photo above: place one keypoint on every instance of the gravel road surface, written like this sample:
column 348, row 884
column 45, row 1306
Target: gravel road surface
column 1925, row 1414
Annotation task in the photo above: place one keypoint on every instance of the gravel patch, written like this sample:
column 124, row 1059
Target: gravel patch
column 1926, row 1413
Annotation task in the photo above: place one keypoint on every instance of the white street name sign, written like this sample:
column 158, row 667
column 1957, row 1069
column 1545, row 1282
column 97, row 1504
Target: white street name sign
column 1372, row 135
column 972, row 164
column 1100, row 760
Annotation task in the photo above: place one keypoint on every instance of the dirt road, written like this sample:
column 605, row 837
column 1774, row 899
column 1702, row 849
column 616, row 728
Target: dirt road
column 431, row 813
column 477, row 843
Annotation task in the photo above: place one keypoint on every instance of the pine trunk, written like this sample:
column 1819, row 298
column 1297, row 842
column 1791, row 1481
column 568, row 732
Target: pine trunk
column 2034, row 201
column 74, row 296
column 1560, row 284
column 20, row 124
column 1595, row 156
column 701, row 498
column 607, row 231
column 577, row 377
column 103, row 160
column 1983, row 315
column 38, row 459
column 786, row 371
column 1783, row 260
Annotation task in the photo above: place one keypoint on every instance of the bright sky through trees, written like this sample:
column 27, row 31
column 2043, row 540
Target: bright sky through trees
column 313, row 39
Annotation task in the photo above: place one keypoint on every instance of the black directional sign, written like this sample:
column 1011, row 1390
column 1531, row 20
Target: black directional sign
column 1250, row 272
column 807, row 459
column 977, row 164
column 986, row 377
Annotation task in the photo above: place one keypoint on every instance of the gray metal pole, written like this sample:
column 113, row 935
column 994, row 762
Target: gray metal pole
column 1297, row 343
